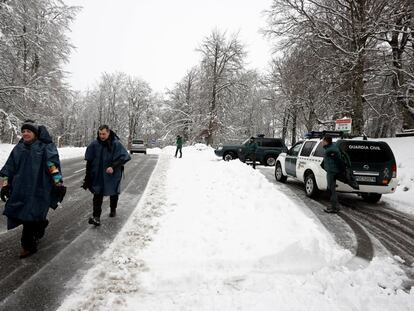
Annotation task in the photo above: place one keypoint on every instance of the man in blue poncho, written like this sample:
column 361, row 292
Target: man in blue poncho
column 105, row 158
column 32, row 183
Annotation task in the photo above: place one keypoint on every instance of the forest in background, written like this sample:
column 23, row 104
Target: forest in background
column 333, row 59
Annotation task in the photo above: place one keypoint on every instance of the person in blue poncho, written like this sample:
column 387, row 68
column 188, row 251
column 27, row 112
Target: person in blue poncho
column 105, row 159
column 32, row 183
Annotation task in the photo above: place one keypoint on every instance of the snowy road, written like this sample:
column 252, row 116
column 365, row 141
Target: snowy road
column 214, row 235
column 70, row 244
column 376, row 227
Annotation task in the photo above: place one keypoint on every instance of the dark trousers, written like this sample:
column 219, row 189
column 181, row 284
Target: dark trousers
column 331, row 179
column 179, row 148
column 252, row 157
column 32, row 232
column 97, row 203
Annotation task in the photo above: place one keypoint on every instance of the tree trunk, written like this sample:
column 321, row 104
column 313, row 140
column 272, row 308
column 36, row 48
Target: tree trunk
column 294, row 125
column 357, row 102
column 285, row 124
column 213, row 121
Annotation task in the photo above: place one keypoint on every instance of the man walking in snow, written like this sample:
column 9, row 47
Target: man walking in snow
column 334, row 166
column 105, row 158
column 179, row 144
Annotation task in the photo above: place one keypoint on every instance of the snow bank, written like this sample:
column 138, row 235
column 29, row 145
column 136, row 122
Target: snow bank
column 403, row 198
column 64, row 153
column 215, row 235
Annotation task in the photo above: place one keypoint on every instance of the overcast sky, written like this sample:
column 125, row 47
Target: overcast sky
column 156, row 40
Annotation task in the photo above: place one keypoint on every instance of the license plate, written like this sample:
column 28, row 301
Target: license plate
column 366, row 178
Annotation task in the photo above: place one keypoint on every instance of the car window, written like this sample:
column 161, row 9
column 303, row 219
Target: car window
column 272, row 143
column 320, row 151
column 137, row 142
column 367, row 151
column 307, row 148
column 294, row 151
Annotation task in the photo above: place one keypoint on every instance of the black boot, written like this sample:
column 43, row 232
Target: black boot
column 113, row 212
column 94, row 221
column 113, row 203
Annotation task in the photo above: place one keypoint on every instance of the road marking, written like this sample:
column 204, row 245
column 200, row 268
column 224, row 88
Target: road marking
column 79, row 170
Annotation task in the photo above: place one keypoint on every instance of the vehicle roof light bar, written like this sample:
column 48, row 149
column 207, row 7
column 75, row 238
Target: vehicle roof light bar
column 321, row 134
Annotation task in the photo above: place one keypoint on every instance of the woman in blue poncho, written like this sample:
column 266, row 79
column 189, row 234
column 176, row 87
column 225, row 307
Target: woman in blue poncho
column 32, row 183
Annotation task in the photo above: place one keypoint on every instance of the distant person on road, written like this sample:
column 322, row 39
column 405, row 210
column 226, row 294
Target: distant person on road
column 179, row 144
column 334, row 167
column 105, row 158
column 251, row 148
column 32, row 183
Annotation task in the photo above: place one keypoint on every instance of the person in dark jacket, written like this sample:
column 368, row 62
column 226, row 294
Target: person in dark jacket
column 105, row 158
column 334, row 166
column 32, row 183
column 251, row 148
column 179, row 144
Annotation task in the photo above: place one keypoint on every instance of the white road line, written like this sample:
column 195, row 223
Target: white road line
column 79, row 170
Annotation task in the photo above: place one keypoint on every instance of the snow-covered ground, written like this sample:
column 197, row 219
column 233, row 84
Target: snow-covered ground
column 403, row 198
column 215, row 235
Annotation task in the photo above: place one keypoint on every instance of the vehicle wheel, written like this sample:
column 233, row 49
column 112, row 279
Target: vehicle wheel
column 279, row 173
column 311, row 188
column 131, row 152
column 371, row 197
column 229, row 156
column 270, row 160
column 145, row 152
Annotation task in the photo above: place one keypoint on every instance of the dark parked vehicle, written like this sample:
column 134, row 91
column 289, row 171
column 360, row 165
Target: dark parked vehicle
column 268, row 149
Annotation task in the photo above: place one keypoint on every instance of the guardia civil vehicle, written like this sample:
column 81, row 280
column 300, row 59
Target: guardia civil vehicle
column 372, row 163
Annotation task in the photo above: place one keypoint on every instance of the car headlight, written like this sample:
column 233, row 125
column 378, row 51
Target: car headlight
column 220, row 148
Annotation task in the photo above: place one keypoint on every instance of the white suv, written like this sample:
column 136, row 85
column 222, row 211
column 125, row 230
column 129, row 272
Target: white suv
column 137, row 146
column 372, row 163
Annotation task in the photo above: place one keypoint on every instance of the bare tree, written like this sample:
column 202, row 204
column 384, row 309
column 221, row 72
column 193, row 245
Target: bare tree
column 347, row 27
column 138, row 96
column 33, row 47
column 222, row 62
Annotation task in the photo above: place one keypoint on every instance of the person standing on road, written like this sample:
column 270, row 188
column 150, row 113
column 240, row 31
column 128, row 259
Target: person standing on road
column 32, row 183
column 179, row 144
column 334, row 166
column 251, row 148
column 105, row 158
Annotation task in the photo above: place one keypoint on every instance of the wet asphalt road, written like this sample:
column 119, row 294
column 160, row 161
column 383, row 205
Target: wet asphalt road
column 40, row 282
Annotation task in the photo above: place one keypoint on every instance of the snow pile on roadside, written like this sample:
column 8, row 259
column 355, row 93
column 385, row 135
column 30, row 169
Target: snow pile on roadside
column 403, row 198
column 64, row 153
column 5, row 150
column 215, row 235
column 71, row 152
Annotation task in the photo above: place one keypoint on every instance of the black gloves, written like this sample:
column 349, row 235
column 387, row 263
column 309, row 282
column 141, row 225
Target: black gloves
column 5, row 193
column 87, row 182
column 60, row 192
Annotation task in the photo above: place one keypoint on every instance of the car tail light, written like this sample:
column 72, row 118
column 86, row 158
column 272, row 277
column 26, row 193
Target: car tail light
column 394, row 171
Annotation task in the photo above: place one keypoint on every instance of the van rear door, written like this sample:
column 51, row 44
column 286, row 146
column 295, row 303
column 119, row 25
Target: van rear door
column 372, row 162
